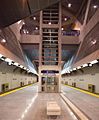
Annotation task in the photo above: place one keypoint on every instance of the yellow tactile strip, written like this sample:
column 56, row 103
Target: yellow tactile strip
column 89, row 93
column 12, row 91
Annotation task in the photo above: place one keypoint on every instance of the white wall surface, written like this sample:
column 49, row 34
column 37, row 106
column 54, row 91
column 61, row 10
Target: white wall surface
column 90, row 76
column 13, row 78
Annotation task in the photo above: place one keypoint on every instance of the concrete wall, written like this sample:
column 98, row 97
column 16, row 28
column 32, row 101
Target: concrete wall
column 30, row 39
column 90, row 76
column 14, row 78
column 69, row 39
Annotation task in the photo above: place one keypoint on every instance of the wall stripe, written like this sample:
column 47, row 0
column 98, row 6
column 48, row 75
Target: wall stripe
column 86, row 92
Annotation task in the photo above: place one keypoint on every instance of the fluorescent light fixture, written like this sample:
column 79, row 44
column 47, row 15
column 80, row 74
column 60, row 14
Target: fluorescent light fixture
column 24, row 68
column 9, row 63
column 69, row 5
column 21, row 66
column 19, row 21
column 79, row 67
column 24, row 31
column 8, row 60
column 94, row 62
column 29, row 71
column 85, row 65
column 16, row 64
column 90, row 65
column 71, row 70
column 1, row 55
column 68, row 71
column 74, row 68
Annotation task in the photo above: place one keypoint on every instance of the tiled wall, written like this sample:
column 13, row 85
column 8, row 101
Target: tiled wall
column 89, row 76
column 14, row 78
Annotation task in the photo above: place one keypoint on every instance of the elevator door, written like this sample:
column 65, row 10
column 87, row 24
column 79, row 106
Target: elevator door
column 52, row 84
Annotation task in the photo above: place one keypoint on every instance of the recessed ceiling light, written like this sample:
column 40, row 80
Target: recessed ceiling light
column 24, row 31
column 65, row 19
column 49, row 23
column 23, row 23
column 19, row 21
column 36, row 28
column 27, row 32
column 93, row 41
column 20, row 27
column 62, row 28
column 69, row 5
column 95, row 6
column 3, row 41
column 34, row 18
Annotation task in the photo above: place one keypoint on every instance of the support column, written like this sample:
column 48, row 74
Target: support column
column 86, row 13
column 40, row 53
column 60, row 47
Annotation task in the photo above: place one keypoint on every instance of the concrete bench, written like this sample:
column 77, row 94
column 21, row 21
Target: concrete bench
column 53, row 109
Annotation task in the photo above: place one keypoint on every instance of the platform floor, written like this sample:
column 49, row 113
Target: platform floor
column 28, row 104
column 86, row 103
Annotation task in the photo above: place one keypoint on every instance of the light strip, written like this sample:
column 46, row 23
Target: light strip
column 79, row 67
column 16, row 64
column 8, row 60
column 74, row 68
column 94, row 62
column 21, row 66
column 1, row 55
column 85, row 65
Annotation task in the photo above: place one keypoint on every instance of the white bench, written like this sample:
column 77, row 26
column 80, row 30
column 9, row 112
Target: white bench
column 53, row 109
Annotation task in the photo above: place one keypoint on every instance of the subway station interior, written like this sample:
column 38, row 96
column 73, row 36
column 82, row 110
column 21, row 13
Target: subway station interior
column 49, row 60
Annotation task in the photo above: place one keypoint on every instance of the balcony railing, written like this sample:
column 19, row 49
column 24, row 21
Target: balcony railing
column 71, row 33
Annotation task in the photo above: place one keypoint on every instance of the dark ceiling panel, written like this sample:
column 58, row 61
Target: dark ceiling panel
column 11, row 11
column 90, row 43
column 11, row 42
column 14, row 10
column 40, row 4
column 78, row 8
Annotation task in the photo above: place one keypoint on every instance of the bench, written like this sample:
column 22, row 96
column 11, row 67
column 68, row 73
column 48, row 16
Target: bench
column 53, row 109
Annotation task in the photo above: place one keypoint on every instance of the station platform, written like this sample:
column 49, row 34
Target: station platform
column 28, row 104
column 87, row 103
